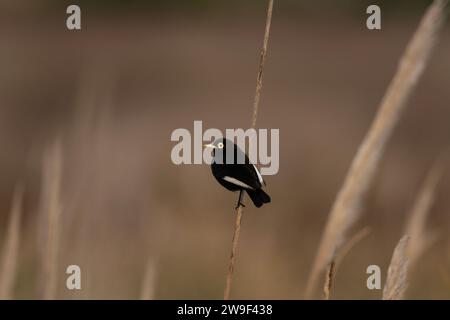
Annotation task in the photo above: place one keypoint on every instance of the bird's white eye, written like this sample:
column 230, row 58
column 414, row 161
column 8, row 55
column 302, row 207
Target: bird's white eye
column 220, row 145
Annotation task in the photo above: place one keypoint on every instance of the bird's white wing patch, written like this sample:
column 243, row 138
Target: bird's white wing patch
column 260, row 178
column 237, row 182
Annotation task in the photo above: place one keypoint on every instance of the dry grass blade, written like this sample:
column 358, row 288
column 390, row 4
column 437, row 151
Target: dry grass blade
column 51, row 209
column 395, row 286
column 262, row 61
column 416, row 225
column 235, row 241
column 329, row 280
column 359, row 236
column 148, row 284
column 346, row 208
column 11, row 247
column 336, row 261
column 239, row 209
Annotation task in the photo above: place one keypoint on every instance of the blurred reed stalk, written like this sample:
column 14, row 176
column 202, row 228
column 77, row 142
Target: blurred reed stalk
column 337, row 260
column 51, row 209
column 347, row 205
column 8, row 268
column 396, row 280
column 239, row 209
column 148, row 283
column 443, row 271
column 420, row 237
column 329, row 280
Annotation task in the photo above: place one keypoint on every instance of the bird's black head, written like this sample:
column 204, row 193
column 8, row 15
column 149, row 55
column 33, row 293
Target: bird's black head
column 220, row 148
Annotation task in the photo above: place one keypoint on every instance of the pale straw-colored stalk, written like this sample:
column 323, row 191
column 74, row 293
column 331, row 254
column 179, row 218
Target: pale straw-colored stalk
column 347, row 205
column 337, row 260
column 149, row 281
column 396, row 280
column 420, row 237
column 8, row 267
column 239, row 208
column 51, row 210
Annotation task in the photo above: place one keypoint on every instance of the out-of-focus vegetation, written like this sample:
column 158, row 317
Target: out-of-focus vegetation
column 112, row 93
column 199, row 7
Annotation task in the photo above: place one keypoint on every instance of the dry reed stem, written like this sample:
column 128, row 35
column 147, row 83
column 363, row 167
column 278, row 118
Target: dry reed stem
column 51, row 212
column 346, row 208
column 395, row 286
column 262, row 61
column 421, row 239
column 336, row 261
column 239, row 209
column 357, row 237
column 235, row 241
column 329, row 280
column 148, row 284
column 10, row 252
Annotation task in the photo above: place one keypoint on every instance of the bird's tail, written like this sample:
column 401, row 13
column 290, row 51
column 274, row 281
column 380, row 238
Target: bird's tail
column 259, row 197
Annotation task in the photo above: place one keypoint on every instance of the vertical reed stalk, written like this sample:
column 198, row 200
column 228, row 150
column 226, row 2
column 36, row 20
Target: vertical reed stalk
column 239, row 209
column 336, row 261
column 329, row 280
column 148, row 284
column 51, row 212
column 8, row 268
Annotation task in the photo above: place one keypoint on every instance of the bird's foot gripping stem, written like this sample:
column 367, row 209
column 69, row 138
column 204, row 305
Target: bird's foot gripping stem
column 240, row 203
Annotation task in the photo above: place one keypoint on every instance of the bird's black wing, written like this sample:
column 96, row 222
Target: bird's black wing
column 245, row 173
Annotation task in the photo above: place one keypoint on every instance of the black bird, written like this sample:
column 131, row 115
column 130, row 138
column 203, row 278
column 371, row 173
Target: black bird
column 237, row 174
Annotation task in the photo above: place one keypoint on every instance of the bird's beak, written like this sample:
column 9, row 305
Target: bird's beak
column 209, row 146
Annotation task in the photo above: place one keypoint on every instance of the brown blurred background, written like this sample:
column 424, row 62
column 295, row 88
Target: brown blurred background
column 113, row 92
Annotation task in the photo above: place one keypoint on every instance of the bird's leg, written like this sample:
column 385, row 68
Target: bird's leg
column 240, row 204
